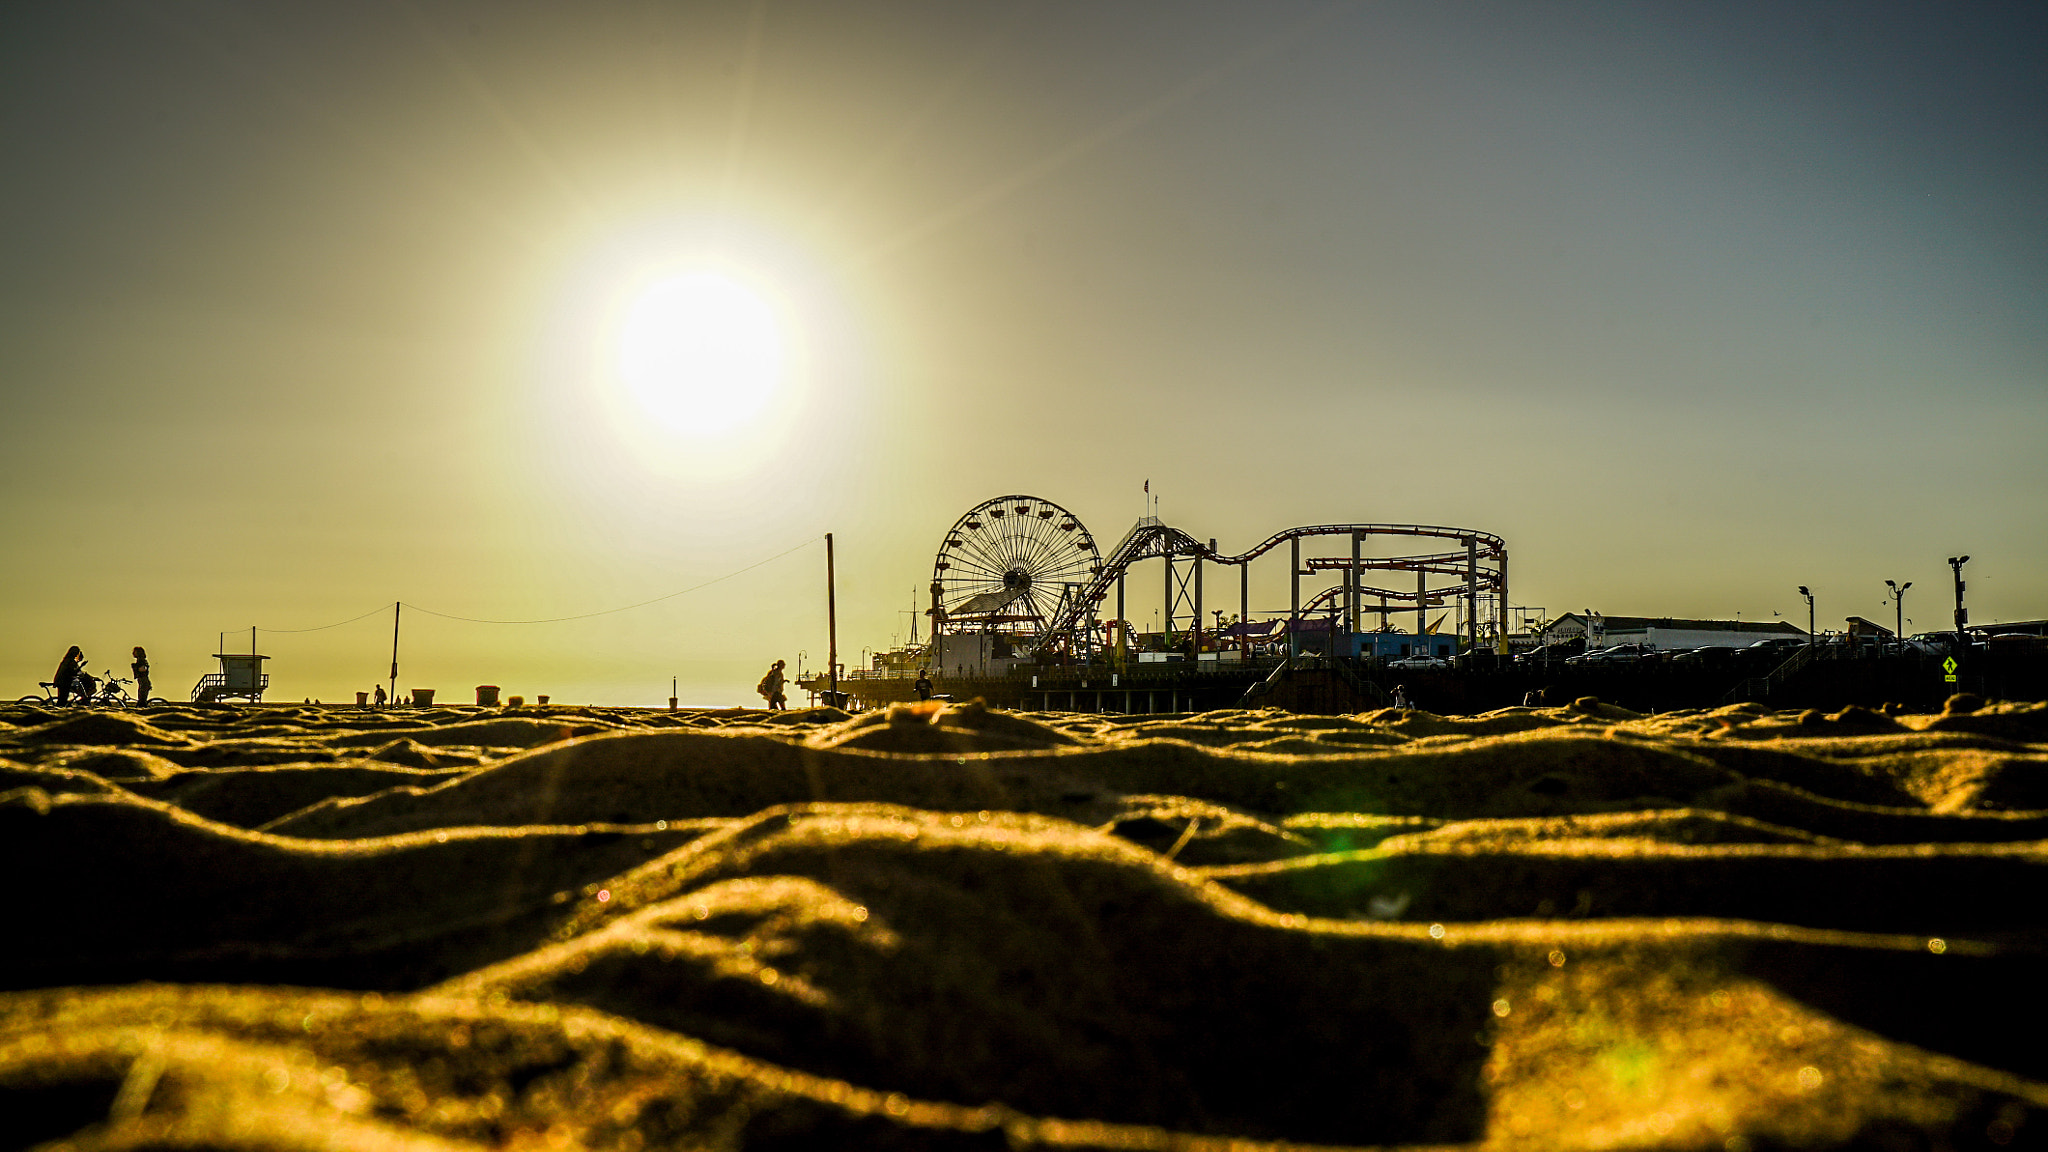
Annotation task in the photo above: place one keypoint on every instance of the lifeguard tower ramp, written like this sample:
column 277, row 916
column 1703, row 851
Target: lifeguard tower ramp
column 241, row 677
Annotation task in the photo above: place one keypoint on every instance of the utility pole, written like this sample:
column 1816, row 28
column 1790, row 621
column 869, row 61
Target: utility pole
column 395, row 606
column 1809, row 614
column 831, row 621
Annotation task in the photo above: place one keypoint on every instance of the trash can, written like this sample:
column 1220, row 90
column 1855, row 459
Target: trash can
column 487, row 695
column 422, row 697
column 362, row 699
column 541, row 699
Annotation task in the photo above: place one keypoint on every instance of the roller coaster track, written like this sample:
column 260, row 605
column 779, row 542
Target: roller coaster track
column 1151, row 539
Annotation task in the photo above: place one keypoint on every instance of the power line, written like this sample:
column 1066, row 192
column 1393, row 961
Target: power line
column 324, row 627
column 552, row 619
column 627, row 608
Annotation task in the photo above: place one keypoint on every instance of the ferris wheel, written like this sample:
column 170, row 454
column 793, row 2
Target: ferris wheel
column 1005, row 565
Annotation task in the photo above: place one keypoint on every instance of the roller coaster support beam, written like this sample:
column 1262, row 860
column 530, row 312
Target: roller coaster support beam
column 1166, row 632
column 1294, row 599
column 1501, row 626
column 1244, row 608
column 1351, row 579
column 1472, row 591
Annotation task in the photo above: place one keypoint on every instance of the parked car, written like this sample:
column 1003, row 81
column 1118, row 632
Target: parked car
column 1418, row 663
column 1706, row 654
column 1616, row 654
column 1929, row 644
column 1548, row 654
column 1780, row 644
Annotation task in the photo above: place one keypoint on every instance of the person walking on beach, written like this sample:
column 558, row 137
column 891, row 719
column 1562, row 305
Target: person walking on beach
column 67, row 675
column 924, row 684
column 141, row 669
column 1401, row 697
column 770, row 688
column 379, row 697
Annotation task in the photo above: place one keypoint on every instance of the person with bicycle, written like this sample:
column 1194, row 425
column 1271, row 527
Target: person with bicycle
column 141, row 670
column 69, row 671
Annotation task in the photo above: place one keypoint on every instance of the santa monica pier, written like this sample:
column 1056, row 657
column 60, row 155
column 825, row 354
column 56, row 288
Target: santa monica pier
column 1027, row 610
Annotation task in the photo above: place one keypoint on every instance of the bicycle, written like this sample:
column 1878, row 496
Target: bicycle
column 49, row 695
column 109, row 693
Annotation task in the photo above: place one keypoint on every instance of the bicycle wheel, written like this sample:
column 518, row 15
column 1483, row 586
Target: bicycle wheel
column 34, row 700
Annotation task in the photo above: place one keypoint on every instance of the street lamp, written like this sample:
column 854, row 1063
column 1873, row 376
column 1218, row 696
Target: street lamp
column 1897, row 596
column 1962, row 616
column 1809, row 612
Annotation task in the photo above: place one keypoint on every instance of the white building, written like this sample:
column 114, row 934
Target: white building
column 1663, row 633
column 973, row 654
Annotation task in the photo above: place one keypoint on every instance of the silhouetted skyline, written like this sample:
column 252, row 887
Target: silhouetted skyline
column 309, row 309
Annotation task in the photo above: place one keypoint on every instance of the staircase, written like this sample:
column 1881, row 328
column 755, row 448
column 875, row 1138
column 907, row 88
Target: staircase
column 1761, row 688
column 1315, row 684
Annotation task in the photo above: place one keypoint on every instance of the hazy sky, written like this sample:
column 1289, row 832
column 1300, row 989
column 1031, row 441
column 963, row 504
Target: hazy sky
column 305, row 309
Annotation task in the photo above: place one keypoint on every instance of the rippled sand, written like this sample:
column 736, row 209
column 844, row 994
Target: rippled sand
column 287, row 928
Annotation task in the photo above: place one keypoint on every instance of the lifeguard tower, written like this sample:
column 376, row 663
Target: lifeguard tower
column 241, row 676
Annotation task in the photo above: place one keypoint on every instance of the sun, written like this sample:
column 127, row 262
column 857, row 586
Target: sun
column 701, row 353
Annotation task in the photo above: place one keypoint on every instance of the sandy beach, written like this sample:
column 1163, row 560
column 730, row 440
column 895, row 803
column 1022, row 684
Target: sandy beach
column 941, row 926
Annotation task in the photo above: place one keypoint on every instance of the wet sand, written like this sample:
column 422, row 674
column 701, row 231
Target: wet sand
column 319, row 928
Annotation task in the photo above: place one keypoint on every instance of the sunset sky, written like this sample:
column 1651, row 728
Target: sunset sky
column 313, row 308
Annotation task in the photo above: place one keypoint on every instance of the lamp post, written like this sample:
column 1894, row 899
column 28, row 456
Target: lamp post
column 1897, row 596
column 1809, row 613
column 1962, row 615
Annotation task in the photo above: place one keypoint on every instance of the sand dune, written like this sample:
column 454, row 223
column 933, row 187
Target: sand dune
column 1575, row 927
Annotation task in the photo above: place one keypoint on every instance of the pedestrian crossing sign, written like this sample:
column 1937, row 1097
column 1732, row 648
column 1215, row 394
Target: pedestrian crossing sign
column 1948, row 670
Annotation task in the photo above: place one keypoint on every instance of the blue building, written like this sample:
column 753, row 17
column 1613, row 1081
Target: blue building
column 1400, row 645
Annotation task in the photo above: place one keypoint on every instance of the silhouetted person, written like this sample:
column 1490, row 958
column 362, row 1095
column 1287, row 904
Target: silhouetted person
column 923, row 685
column 770, row 687
column 378, row 699
column 67, row 673
column 141, row 669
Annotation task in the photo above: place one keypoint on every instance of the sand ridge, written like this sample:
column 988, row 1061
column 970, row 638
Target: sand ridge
column 941, row 926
